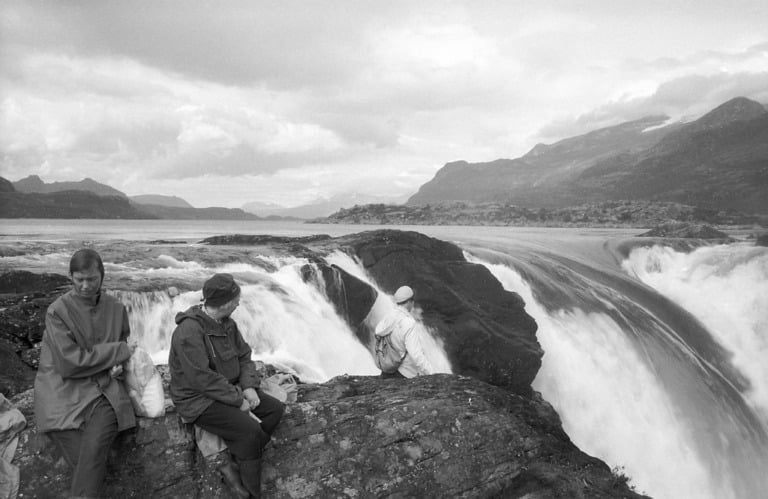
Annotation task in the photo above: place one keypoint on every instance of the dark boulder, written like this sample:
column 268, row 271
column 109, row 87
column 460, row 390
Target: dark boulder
column 762, row 240
column 21, row 281
column 485, row 330
column 687, row 231
column 25, row 297
column 15, row 375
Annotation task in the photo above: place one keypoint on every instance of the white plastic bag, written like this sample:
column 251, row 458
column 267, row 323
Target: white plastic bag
column 145, row 386
column 281, row 386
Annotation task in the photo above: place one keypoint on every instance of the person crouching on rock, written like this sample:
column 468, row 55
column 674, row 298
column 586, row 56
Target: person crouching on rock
column 80, row 400
column 214, row 383
column 405, row 336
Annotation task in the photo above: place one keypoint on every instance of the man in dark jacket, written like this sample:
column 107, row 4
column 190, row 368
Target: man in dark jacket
column 214, row 382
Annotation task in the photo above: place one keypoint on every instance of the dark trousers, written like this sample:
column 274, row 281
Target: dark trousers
column 87, row 448
column 245, row 437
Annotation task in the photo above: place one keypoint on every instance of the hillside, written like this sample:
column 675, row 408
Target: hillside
column 67, row 204
column 211, row 213
column 83, row 203
column 158, row 199
column 719, row 161
column 33, row 183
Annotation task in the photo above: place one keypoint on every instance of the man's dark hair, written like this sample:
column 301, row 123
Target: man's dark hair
column 84, row 259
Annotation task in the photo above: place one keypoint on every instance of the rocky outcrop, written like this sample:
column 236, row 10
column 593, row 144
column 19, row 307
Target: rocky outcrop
column 687, row 231
column 24, row 298
column 430, row 437
column 485, row 330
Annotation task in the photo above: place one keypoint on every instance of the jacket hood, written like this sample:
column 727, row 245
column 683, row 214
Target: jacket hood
column 396, row 319
column 195, row 313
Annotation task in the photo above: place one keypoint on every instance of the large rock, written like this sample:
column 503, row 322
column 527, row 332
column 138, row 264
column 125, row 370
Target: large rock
column 485, row 330
column 436, row 436
column 687, row 231
column 24, row 298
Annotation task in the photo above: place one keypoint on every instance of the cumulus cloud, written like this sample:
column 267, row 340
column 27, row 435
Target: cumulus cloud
column 290, row 101
column 681, row 89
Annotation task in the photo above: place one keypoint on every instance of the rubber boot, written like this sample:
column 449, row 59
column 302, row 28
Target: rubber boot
column 232, row 478
column 250, row 474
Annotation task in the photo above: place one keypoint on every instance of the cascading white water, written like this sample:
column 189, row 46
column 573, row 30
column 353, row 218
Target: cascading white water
column 635, row 405
column 288, row 322
column 726, row 288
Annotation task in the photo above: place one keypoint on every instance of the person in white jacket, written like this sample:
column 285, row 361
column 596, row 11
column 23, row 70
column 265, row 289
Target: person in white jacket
column 406, row 337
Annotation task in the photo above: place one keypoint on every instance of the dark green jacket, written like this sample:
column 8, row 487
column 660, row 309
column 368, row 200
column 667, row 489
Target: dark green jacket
column 209, row 361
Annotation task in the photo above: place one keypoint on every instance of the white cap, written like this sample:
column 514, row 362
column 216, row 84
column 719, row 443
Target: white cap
column 403, row 294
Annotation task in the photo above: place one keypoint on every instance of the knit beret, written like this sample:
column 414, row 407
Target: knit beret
column 220, row 289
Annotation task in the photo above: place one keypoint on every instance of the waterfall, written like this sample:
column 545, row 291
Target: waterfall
column 289, row 322
column 726, row 288
column 639, row 383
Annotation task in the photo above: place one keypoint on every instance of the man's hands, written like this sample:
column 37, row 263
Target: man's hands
column 251, row 398
column 116, row 371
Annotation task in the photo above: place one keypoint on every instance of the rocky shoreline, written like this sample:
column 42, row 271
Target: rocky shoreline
column 481, row 432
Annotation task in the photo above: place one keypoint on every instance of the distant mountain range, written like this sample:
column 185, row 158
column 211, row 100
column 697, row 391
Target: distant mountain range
column 719, row 161
column 31, row 197
column 320, row 207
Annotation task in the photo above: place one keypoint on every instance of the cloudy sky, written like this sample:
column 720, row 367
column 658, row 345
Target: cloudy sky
column 225, row 103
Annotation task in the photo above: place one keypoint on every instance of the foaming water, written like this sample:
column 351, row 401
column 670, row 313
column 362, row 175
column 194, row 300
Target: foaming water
column 288, row 322
column 631, row 391
column 726, row 288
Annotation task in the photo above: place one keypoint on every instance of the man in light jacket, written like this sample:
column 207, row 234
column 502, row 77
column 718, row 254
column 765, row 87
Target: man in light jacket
column 406, row 336
column 80, row 400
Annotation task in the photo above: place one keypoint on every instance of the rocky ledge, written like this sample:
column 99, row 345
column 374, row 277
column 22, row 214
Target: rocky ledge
column 429, row 437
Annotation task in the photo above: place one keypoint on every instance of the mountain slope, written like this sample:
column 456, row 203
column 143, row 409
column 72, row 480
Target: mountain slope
column 544, row 165
column 82, row 203
column 181, row 213
column 718, row 161
column 33, row 183
column 67, row 204
column 160, row 200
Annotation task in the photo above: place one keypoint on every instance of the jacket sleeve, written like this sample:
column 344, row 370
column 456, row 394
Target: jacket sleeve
column 126, row 328
column 189, row 345
column 249, row 378
column 72, row 361
column 415, row 348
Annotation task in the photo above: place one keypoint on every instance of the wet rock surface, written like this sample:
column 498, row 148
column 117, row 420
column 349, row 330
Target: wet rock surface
column 431, row 437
